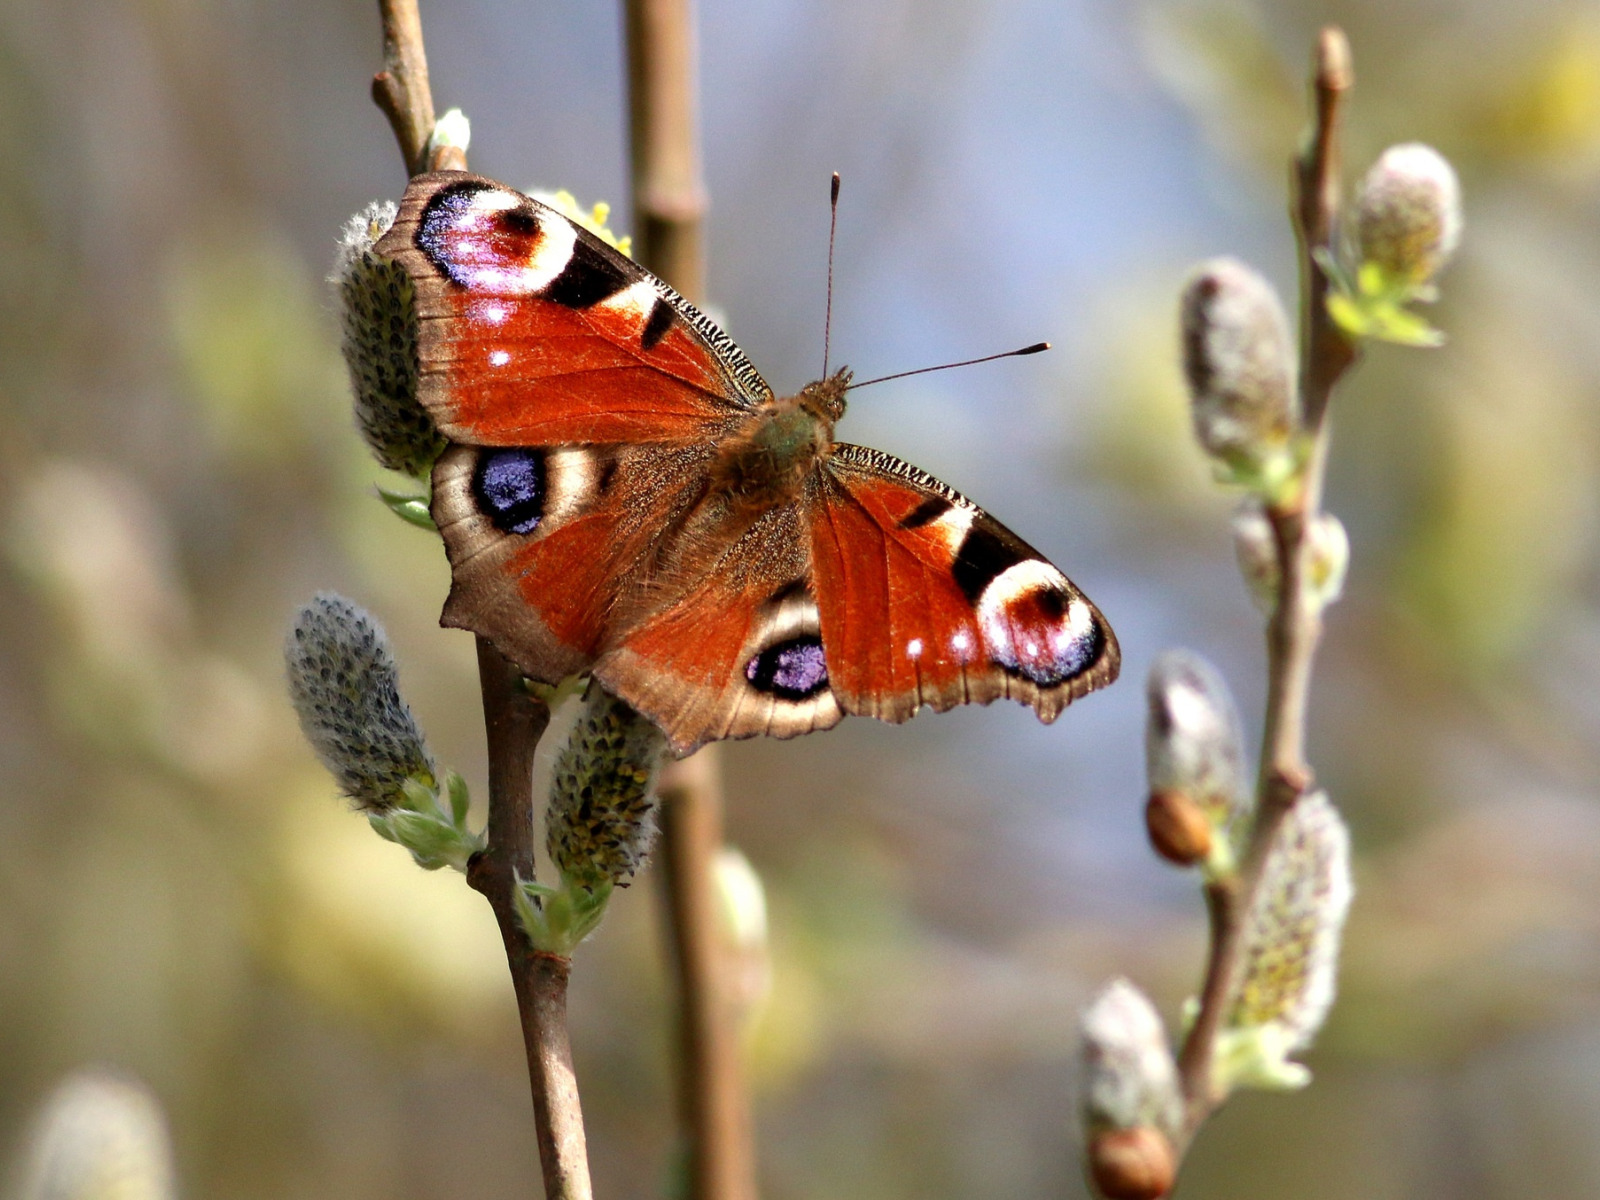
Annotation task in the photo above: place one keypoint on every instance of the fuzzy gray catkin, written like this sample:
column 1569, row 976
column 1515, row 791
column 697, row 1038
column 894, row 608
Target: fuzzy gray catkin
column 1238, row 360
column 600, row 824
column 380, row 346
column 345, row 688
column 1193, row 742
column 1129, row 1077
column 1292, row 935
column 1408, row 213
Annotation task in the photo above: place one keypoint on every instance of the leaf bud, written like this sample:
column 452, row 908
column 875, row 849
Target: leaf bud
column 1257, row 551
column 1132, row 1164
column 1239, row 363
column 1194, row 749
column 1327, row 560
column 742, row 899
column 1179, row 829
column 1408, row 214
column 452, row 131
column 346, row 691
column 380, row 346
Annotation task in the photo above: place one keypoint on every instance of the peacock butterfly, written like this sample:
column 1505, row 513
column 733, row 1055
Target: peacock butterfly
column 624, row 495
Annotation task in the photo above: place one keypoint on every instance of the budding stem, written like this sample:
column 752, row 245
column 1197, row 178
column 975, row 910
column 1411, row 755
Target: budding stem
column 1295, row 626
column 514, row 721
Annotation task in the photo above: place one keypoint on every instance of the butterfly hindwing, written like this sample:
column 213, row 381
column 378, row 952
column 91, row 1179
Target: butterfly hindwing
column 925, row 599
column 738, row 651
column 533, row 331
column 548, row 545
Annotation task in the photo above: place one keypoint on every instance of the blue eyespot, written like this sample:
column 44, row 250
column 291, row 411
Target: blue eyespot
column 510, row 488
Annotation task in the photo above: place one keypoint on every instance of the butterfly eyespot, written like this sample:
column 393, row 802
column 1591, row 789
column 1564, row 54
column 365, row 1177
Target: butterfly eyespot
column 509, row 486
column 1034, row 628
column 794, row 669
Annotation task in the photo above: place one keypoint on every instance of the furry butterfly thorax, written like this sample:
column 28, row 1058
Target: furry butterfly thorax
column 623, row 495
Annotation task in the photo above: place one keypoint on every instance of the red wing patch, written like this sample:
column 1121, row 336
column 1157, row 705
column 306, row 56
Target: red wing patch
column 548, row 546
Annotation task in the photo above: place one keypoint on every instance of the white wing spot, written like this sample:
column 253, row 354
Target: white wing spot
column 499, row 358
column 914, row 649
column 953, row 524
column 636, row 300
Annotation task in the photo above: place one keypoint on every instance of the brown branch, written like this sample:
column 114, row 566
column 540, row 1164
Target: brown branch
column 1296, row 625
column 402, row 91
column 712, row 1097
column 514, row 721
column 669, row 203
column 669, row 195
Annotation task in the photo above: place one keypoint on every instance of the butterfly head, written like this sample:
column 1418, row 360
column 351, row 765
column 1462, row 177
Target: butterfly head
column 824, row 399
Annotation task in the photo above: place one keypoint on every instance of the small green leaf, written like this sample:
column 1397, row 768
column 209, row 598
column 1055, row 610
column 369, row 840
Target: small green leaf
column 460, row 799
column 556, row 920
column 411, row 509
column 1374, row 304
column 1258, row 1057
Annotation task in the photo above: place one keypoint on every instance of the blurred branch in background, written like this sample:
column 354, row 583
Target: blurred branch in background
column 669, row 203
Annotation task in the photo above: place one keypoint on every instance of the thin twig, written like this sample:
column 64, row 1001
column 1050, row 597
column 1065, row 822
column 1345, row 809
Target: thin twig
column 669, row 203
column 401, row 89
column 1296, row 625
column 514, row 721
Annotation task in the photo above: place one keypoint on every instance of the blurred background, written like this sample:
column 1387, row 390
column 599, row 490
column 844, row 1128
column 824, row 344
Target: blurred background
column 184, row 898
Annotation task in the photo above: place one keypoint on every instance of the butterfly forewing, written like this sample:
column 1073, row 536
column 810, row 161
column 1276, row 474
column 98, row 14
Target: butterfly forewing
column 533, row 331
column 927, row 600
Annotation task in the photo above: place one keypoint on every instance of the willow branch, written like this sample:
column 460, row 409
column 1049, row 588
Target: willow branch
column 402, row 91
column 1296, row 625
column 514, row 721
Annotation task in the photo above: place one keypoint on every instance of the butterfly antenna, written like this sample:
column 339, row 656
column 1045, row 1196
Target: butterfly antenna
column 833, row 225
column 1036, row 348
